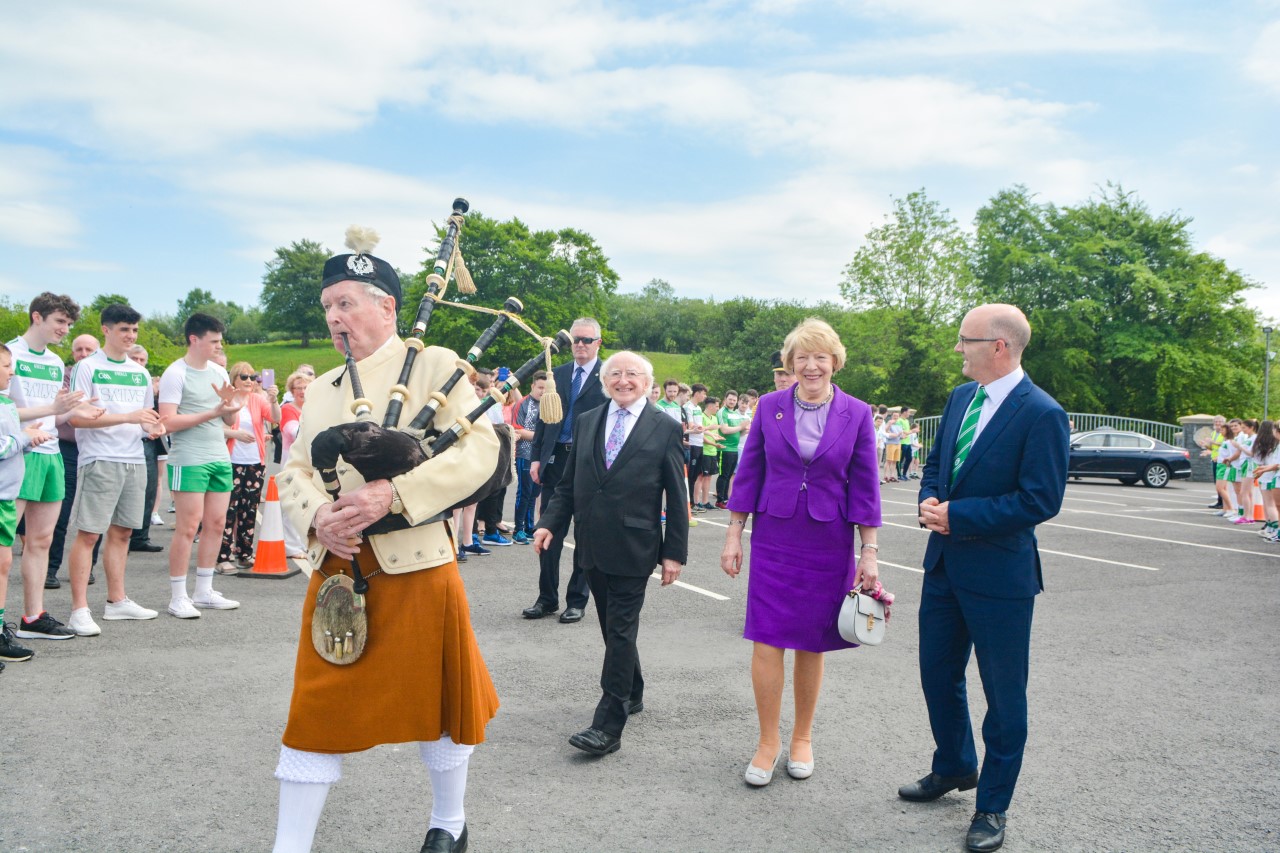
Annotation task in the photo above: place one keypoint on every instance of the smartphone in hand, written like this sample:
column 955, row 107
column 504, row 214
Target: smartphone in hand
column 268, row 377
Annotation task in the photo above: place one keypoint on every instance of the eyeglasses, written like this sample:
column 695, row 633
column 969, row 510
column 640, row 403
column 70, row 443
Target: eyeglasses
column 963, row 340
column 247, row 376
column 630, row 374
column 582, row 339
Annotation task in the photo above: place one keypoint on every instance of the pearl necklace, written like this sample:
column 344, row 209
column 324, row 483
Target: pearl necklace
column 812, row 407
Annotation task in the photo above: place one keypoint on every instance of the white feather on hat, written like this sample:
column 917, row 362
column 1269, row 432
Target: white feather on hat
column 361, row 240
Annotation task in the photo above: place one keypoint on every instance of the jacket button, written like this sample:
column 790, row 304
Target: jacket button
column 304, row 504
column 417, row 555
column 393, row 559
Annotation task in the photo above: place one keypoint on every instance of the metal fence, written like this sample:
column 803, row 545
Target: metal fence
column 1083, row 422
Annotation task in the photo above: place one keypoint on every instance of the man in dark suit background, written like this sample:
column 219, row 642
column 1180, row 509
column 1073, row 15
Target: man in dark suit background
column 998, row 467
column 626, row 463
column 578, row 384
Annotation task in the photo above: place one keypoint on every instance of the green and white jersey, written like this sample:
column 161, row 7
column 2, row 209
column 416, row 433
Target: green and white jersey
column 121, row 387
column 193, row 392
column 693, row 413
column 37, row 379
column 671, row 409
column 731, row 418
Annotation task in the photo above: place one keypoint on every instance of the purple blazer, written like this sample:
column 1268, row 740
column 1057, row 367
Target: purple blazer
column 843, row 478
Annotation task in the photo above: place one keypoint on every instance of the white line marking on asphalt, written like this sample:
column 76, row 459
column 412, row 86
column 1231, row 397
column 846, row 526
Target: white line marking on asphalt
column 708, row 593
column 1165, row 541
column 1147, row 497
column 1153, row 520
column 900, row 566
column 1092, row 501
column 1099, row 560
column 718, row 524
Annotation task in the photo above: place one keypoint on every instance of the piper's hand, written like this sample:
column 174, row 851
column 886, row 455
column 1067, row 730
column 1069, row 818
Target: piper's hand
column 541, row 540
column 670, row 572
column 364, row 506
column 731, row 556
column 65, row 401
column 329, row 524
column 38, row 436
column 533, row 472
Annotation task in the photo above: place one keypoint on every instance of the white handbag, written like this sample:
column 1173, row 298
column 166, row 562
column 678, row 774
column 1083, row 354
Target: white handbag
column 861, row 618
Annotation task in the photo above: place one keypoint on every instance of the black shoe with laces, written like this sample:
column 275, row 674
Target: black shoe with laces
column 9, row 648
column 44, row 628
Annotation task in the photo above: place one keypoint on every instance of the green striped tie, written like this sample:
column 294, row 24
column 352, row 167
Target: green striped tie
column 968, row 431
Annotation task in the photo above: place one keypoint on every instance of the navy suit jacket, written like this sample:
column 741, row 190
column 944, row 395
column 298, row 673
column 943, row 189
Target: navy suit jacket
column 1013, row 478
column 591, row 396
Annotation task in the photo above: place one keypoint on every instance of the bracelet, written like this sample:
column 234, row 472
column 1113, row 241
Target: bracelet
column 743, row 522
column 871, row 545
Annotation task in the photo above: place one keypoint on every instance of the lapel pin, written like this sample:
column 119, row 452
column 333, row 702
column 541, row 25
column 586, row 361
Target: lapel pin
column 779, row 416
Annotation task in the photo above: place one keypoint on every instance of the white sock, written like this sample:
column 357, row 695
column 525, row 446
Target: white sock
column 448, row 789
column 204, row 582
column 177, row 588
column 300, row 806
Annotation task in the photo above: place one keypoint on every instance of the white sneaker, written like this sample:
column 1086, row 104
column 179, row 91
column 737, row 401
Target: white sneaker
column 214, row 600
column 183, row 609
column 156, row 520
column 82, row 623
column 127, row 608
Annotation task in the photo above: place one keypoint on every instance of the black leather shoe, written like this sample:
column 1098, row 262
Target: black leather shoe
column 635, row 708
column 52, row 582
column 92, row 579
column 986, row 832
column 440, row 841
column 933, row 786
column 596, row 742
column 538, row 610
column 146, row 547
column 571, row 614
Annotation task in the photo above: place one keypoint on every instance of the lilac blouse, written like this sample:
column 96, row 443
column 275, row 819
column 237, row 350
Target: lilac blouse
column 809, row 426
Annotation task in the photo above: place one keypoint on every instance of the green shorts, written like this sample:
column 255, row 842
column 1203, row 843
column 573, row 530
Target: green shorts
column 209, row 477
column 8, row 523
column 1227, row 473
column 45, row 480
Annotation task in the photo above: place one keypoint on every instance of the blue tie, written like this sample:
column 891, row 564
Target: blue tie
column 566, row 431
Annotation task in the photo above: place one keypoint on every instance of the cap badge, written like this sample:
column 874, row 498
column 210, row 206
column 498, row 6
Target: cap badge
column 360, row 265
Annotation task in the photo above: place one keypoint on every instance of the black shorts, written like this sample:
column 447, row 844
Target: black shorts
column 710, row 465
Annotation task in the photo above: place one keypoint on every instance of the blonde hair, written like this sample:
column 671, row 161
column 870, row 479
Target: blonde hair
column 813, row 335
column 294, row 379
column 238, row 368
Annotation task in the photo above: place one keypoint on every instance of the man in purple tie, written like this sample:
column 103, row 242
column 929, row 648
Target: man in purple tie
column 578, row 384
column 627, row 462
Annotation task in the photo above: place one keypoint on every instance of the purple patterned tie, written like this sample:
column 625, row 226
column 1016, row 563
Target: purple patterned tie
column 617, row 435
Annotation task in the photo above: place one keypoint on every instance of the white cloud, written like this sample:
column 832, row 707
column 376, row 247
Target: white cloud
column 87, row 266
column 1262, row 63
column 30, row 187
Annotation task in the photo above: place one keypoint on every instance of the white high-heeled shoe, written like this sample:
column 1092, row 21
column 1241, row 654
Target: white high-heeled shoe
column 759, row 778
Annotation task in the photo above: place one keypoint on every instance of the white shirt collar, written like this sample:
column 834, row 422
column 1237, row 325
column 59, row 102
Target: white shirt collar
column 586, row 368
column 1000, row 388
column 635, row 408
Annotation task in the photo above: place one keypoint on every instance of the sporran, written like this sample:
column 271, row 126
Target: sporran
column 339, row 623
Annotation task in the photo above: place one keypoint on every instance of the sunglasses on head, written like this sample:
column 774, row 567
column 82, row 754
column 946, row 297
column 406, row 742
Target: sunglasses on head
column 247, row 376
column 582, row 339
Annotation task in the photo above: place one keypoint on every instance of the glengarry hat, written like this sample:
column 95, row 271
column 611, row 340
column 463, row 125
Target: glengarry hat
column 778, row 366
column 361, row 265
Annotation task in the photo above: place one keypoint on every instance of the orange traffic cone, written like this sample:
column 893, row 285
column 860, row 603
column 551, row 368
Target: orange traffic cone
column 269, row 561
column 1259, row 512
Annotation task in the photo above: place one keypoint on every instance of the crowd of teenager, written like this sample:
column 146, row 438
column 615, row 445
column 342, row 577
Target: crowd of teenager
column 1246, row 455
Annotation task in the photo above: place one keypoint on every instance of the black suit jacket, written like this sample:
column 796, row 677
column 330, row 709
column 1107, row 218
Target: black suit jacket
column 590, row 397
column 617, row 512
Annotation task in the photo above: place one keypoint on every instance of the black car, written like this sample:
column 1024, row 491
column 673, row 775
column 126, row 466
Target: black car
column 1127, row 457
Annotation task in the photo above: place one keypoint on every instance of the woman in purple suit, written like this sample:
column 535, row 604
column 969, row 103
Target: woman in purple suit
column 808, row 472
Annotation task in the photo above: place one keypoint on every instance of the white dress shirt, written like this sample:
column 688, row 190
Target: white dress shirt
column 997, row 391
column 628, row 424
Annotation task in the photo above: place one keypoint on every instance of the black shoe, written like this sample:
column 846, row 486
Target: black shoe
column 440, row 841
column 635, row 707
column 462, row 557
column 147, row 547
column 571, row 614
column 52, row 582
column 539, row 610
column 933, row 786
column 986, row 832
column 44, row 628
column 9, row 648
column 1217, row 505
column 92, row 579
column 596, row 742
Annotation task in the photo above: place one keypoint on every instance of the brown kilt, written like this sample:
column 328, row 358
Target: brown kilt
column 421, row 675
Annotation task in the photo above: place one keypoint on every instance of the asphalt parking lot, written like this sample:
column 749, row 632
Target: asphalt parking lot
column 1154, row 712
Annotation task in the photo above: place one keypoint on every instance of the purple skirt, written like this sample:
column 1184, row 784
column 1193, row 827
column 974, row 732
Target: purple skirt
column 799, row 571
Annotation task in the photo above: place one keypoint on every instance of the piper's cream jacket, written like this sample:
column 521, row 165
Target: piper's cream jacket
column 427, row 490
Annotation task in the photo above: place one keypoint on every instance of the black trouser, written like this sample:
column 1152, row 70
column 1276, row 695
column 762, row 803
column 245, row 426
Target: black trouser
column 70, row 459
column 695, row 469
column 142, row 535
column 904, row 461
column 489, row 510
column 728, row 464
column 618, row 602
column 549, row 562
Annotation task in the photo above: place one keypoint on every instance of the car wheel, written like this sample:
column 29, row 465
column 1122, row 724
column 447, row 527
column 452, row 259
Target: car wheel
column 1156, row 476
column 1128, row 481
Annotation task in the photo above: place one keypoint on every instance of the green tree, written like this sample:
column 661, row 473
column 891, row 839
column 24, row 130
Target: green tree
column 656, row 320
column 202, row 301
column 106, row 299
column 1127, row 316
column 917, row 261
column 289, row 291
column 558, row 275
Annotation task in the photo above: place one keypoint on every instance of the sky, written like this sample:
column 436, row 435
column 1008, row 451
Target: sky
column 730, row 148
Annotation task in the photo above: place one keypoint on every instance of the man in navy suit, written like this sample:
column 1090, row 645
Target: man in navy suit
column 578, row 384
column 998, row 467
